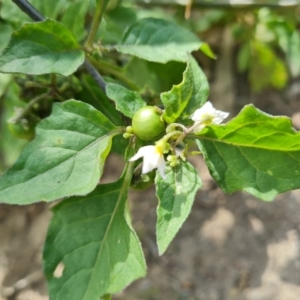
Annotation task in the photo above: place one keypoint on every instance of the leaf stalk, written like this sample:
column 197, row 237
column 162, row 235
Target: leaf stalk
column 101, row 6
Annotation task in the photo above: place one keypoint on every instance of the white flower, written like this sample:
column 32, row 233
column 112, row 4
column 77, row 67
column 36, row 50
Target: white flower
column 207, row 115
column 152, row 158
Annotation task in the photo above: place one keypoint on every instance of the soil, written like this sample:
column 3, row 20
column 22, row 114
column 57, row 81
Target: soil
column 232, row 247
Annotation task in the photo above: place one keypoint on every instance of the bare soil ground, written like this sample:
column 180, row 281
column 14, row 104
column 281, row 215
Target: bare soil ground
column 232, row 247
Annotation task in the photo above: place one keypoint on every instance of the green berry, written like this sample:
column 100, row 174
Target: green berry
column 147, row 123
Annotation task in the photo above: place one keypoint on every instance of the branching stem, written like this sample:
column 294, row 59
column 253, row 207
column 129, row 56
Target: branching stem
column 101, row 6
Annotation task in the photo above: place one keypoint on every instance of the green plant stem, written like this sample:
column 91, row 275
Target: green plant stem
column 113, row 70
column 171, row 134
column 172, row 126
column 53, row 80
column 101, row 6
column 106, row 297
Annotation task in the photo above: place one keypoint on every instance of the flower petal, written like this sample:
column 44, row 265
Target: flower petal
column 199, row 128
column 150, row 162
column 220, row 116
column 161, row 167
column 206, row 115
column 152, row 159
column 206, row 109
column 143, row 151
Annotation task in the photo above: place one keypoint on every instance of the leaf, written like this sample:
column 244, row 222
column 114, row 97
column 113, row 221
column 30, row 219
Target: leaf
column 293, row 53
column 127, row 102
column 289, row 41
column 92, row 237
column 66, row 157
column 158, row 40
column 5, row 33
column 92, row 94
column 205, row 48
column 79, row 9
column 152, row 76
column 117, row 20
column 254, row 152
column 49, row 10
column 10, row 146
column 266, row 68
column 42, row 48
column 11, row 13
column 187, row 96
column 176, row 196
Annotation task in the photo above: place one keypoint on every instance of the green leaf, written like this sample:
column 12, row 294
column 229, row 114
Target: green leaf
column 254, row 152
column 152, row 76
column 158, row 40
column 117, row 20
column 42, row 48
column 293, row 53
column 79, row 9
column 66, row 157
column 93, row 239
column 11, row 13
column 5, row 33
column 176, row 196
column 52, row 11
column 289, row 41
column 207, row 51
column 5, row 79
column 187, row 96
column 10, row 146
column 267, row 69
column 92, row 94
column 127, row 102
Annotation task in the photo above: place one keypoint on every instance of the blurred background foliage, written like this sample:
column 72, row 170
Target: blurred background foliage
column 265, row 34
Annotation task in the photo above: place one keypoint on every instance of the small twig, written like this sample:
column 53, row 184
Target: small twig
column 95, row 74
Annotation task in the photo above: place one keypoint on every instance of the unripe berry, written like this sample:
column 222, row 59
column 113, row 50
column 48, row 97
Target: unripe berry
column 147, row 123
